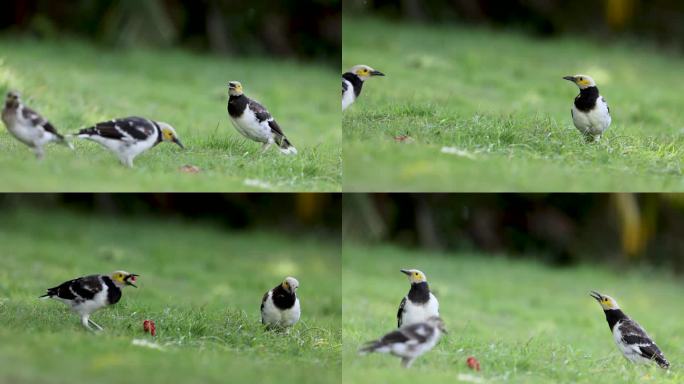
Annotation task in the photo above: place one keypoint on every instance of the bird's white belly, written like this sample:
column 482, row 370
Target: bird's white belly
column 25, row 132
column 419, row 313
column 125, row 148
column 628, row 351
column 251, row 128
column 348, row 96
column 413, row 348
column 274, row 316
column 89, row 306
column 594, row 122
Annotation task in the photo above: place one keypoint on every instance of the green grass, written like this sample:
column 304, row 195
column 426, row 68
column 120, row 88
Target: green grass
column 524, row 322
column 499, row 99
column 76, row 85
column 201, row 285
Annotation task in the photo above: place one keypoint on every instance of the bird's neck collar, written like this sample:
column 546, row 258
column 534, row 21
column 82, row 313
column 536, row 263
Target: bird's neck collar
column 419, row 292
column 613, row 316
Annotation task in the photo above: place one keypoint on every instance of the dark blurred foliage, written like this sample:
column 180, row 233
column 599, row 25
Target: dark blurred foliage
column 660, row 20
column 562, row 229
column 314, row 214
column 309, row 29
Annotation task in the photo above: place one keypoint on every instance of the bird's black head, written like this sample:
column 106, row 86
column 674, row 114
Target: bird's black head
column 12, row 100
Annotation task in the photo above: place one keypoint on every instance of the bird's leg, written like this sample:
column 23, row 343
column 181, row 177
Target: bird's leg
column 85, row 322
column 406, row 362
column 95, row 324
column 265, row 147
column 38, row 151
column 126, row 161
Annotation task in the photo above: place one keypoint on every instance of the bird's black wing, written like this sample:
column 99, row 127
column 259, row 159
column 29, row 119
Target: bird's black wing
column 83, row 288
column 634, row 335
column 122, row 129
column 263, row 115
column 36, row 119
column 400, row 312
column 419, row 332
column 259, row 111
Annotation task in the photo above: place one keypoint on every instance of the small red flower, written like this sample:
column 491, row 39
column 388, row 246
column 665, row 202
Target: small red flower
column 473, row 363
column 148, row 326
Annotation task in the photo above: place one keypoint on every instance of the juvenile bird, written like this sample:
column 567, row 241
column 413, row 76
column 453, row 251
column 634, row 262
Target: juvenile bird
column 630, row 338
column 254, row 122
column 28, row 126
column 87, row 294
column 590, row 112
column 419, row 304
column 408, row 342
column 352, row 82
column 128, row 137
column 280, row 305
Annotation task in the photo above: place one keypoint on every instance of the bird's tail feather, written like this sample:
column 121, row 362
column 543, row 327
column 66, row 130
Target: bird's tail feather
column 662, row 362
column 66, row 141
column 286, row 147
column 369, row 347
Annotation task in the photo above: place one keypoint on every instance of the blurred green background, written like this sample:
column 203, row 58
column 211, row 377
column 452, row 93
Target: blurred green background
column 204, row 261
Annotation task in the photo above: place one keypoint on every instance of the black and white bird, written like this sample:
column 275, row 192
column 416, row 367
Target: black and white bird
column 590, row 112
column 630, row 338
column 87, row 294
column 419, row 304
column 28, row 126
column 128, row 137
column 280, row 305
column 254, row 122
column 352, row 82
column 409, row 341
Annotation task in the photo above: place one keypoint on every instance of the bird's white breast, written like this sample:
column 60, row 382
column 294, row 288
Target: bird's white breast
column 273, row 315
column 24, row 130
column 348, row 96
column 248, row 125
column 127, row 147
column 595, row 121
column 416, row 313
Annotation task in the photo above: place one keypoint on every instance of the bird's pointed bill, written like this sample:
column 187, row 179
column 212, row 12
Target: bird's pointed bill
column 131, row 279
column 377, row 73
column 178, row 142
column 405, row 271
column 596, row 295
column 569, row 78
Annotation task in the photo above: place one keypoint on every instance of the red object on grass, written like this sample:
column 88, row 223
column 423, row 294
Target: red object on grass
column 473, row 363
column 148, row 326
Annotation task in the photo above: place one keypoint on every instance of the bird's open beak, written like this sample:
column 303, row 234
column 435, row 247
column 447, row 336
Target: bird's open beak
column 569, row 78
column 175, row 140
column 377, row 73
column 596, row 295
column 405, row 271
column 130, row 279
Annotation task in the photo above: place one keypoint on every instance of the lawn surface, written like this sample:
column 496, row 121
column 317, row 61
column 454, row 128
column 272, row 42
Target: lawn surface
column 201, row 285
column 524, row 322
column 489, row 111
column 76, row 85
